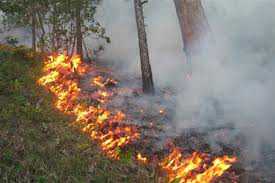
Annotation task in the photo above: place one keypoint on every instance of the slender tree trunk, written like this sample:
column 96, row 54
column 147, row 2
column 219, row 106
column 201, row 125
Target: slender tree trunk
column 87, row 52
column 147, row 77
column 193, row 24
column 73, row 46
column 53, row 32
column 79, row 37
column 42, row 38
column 33, row 32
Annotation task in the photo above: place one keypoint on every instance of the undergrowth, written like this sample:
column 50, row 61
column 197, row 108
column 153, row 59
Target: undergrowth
column 36, row 142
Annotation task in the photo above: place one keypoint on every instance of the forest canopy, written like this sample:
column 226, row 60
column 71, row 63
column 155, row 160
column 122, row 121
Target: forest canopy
column 55, row 24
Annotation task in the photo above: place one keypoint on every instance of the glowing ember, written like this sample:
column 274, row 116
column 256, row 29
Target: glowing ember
column 99, row 81
column 141, row 158
column 162, row 111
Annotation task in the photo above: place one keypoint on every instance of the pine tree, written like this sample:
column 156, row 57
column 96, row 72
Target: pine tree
column 193, row 24
column 147, row 76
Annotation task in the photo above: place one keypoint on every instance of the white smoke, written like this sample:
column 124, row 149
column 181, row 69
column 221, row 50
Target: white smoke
column 163, row 38
column 236, row 71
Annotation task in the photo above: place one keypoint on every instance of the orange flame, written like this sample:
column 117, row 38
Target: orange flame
column 99, row 123
column 99, row 81
column 141, row 158
column 162, row 111
column 182, row 169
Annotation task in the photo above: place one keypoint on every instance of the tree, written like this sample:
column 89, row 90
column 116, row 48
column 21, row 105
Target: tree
column 33, row 17
column 79, row 36
column 147, row 76
column 55, row 24
column 193, row 24
column 22, row 13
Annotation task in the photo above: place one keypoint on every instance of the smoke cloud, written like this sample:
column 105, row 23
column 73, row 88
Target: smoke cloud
column 232, row 80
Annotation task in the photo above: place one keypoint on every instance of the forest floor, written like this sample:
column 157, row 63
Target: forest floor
column 36, row 142
column 154, row 115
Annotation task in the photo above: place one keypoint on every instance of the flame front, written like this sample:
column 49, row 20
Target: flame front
column 193, row 169
column 102, row 125
column 108, row 128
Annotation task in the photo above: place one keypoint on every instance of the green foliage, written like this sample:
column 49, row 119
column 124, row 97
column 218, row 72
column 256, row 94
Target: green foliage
column 126, row 157
column 22, row 97
column 54, row 20
column 19, row 12
column 36, row 142
column 177, row 180
column 11, row 40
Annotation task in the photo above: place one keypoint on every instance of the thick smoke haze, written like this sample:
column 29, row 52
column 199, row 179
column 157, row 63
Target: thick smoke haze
column 233, row 75
column 163, row 36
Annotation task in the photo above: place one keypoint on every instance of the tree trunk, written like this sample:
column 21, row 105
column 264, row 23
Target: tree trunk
column 54, row 29
column 41, row 26
column 193, row 24
column 79, row 38
column 33, row 32
column 147, row 77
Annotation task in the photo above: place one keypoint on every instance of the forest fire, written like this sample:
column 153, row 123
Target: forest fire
column 183, row 169
column 107, row 126
column 99, row 81
column 98, row 122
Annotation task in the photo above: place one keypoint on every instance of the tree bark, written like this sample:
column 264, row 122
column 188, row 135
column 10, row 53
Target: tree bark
column 54, row 29
column 193, row 24
column 147, row 76
column 79, row 36
column 33, row 32
column 42, row 37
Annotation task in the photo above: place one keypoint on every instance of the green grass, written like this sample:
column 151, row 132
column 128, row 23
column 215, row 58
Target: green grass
column 36, row 142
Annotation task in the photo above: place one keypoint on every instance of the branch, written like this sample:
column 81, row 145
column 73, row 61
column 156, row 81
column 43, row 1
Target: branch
column 144, row 2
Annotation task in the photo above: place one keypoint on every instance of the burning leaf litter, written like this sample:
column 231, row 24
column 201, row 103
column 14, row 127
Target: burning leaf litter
column 108, row 127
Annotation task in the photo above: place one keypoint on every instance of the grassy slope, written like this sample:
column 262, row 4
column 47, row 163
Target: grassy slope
column 36, row 142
